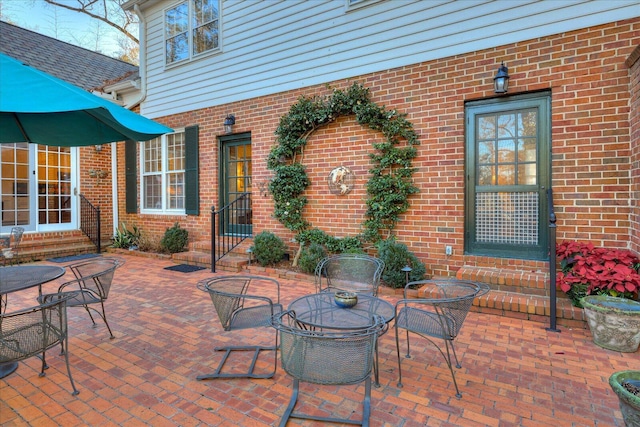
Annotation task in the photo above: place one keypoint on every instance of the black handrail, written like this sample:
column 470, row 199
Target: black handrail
column 552, row 263
column 90, row 221
column 224, row 241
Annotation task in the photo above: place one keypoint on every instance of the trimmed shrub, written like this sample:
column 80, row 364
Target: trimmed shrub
column 268, row 248
column 396, row 255
column 175, row 239
column 310, row 257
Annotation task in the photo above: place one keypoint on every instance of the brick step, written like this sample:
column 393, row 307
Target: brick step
column 36, row 247
column 231, row 262
column 205, row 246
column 499, row 302
column 514, row 293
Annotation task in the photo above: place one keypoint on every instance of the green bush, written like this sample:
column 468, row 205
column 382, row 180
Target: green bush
column 310, row 257
column 175, row 239
column 268, row 248
column 396, row 256
column 125, row 238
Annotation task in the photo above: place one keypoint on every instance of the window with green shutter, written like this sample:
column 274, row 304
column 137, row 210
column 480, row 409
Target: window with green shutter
column 169, row 173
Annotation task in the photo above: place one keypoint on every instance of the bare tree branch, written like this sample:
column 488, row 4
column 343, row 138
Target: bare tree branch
column 115, row 16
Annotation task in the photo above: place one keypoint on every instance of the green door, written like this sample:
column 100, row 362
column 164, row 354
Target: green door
column 236, row 184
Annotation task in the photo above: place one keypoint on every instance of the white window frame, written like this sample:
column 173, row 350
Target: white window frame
column 190, row 30
column 163, row 173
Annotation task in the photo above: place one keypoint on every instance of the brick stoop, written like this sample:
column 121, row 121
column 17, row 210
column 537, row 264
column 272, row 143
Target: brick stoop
column 499, row 302
column 200, row 254
column 514, row 293
column 39, row 246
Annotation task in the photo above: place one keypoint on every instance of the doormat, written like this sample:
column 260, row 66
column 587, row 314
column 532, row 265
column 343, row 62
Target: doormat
column 73, row 257
column 184, row 268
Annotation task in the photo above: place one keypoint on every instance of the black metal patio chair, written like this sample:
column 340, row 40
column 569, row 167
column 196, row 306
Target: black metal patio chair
column 32, row 331
column 327, row 357
column 94, row 278
column 243, row 302
column 437, row 313
column 349, row 272
column 11, row 244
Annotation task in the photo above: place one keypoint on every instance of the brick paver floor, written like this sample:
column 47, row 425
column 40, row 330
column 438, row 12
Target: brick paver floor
column 515, row 373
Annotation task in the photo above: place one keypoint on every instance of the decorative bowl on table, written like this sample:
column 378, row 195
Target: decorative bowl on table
column 345, row 299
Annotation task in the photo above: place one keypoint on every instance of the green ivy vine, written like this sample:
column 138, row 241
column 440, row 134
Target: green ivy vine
column 390, row 185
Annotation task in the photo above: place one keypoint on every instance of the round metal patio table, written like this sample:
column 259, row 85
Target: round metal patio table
column 20, row 277
column 320, row 311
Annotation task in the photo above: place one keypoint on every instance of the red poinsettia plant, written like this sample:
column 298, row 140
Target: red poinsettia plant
column 591, row 270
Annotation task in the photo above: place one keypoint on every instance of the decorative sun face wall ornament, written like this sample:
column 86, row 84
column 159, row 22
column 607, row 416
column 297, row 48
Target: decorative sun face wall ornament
column 341, row 180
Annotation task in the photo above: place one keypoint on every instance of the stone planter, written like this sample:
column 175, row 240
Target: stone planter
column 614, row 322
column 629, row 403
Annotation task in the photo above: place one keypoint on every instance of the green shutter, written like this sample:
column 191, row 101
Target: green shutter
column 131, row 176
column 191, row 199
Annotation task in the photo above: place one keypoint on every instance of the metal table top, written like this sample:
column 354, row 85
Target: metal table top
column 320, row 310
column 19, row 277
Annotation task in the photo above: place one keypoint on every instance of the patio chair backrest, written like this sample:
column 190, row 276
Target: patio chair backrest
column 243, row 301
column 96, row 274
column 446, row 302
column 326, row 357
column 349, row 272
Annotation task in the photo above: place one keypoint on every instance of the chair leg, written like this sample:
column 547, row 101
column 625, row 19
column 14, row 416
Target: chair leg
column 104, row 317
column 250, row 372
column 292, row 403
column 366, row 410
column 447, row 358
column 66, row 359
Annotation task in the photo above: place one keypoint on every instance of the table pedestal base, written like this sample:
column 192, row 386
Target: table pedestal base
column 7, row 369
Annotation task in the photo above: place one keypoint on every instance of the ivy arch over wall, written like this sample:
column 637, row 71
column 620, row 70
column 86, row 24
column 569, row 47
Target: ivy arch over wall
column 389, row 186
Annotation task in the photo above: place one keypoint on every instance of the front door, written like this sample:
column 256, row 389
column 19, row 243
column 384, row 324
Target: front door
column 36, row 187
column 236, row 183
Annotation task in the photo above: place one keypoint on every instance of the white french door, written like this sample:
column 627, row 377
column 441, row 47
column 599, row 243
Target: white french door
column 36, row 187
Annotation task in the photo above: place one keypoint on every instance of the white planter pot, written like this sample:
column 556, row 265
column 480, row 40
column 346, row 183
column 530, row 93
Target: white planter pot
column 614, row 322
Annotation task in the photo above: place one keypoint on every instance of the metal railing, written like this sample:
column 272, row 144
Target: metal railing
column 232, row 223
column 90, row 221
column 552, row 263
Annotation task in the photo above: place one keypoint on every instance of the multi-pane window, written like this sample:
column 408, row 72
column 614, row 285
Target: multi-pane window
column 163, row 165
column 191, row 28
column 507, row 177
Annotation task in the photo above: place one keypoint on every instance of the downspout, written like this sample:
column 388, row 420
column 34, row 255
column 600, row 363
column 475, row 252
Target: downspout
column 142, row 70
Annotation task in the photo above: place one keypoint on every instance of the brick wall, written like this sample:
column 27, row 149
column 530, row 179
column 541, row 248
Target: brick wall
column 586, row 73
column 98, row 190
column 633, row 61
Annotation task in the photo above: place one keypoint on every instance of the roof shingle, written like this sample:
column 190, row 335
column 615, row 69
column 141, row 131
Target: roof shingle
column 76, row 65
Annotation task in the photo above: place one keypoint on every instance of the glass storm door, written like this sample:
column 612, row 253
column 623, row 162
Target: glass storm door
column 236, row 184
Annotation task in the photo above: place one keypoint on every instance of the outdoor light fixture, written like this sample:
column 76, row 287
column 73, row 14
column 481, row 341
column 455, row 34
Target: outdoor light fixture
column 98, row 148
column 501, row 80
column 229, row 121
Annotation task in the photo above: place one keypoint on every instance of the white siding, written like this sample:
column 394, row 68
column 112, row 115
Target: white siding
column 274, row 46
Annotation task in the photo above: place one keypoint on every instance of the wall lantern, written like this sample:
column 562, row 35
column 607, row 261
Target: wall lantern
column 501, row 80
column 229, row 121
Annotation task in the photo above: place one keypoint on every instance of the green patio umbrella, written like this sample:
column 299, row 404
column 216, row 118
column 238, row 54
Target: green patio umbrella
column 39, row 108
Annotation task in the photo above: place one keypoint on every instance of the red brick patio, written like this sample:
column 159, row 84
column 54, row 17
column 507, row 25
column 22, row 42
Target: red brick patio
column 515, row 373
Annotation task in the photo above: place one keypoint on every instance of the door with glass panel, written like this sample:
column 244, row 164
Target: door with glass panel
column 508, row 174
column 236, row 184
column 36, row 187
